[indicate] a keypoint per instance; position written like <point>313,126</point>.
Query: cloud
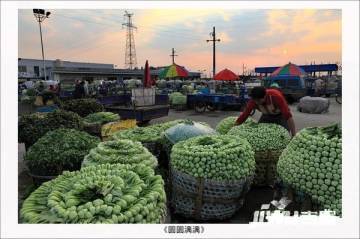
<point>224,37</point>
<point>252,37</point>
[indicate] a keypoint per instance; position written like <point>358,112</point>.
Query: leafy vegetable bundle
<point>226,124</point>
<point>83,107</point>
<point>218,157</point>
<point>120,151</point>
<point>311,163</point>
<point>150,134</point>
<point>99,194</point>
<point>59,150</point>
<point>262,136</point>
<point>141,134</point>
<point>101,118</point>
<point>32,127</point>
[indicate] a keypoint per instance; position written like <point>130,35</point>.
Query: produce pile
<point>262,136</point>
<point>141,134</point>
<point>99,194</point>
<point>226,124</point>
<point>150,134</point>
<point>162,127</point>
<point>311,163</point>
<point>59,150</point>
<point>83,107</point>
<point>101,118</point>
<point>120,151</point>
<point>32,127</point>
<point>177,98</point>
<point>218,157</point>
<point>28,96</point>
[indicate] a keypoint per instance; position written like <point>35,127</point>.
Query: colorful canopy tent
<point>173,71</point>
<point>287,76</point>
<point>288,70</point>
<point>226,75</point>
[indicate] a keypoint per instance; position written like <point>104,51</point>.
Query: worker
<point>273,107</point>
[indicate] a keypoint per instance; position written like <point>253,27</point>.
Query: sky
<point>248,38</point>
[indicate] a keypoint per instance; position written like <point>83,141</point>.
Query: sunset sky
<point>250,37</point>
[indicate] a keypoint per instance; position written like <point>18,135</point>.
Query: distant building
<point>68,71</point>
<point>34,69</point>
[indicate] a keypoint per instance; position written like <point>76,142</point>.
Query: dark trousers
<point>274,119</point>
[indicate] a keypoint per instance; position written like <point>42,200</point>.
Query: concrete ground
<point>256,197</point>
<point>302,120</point>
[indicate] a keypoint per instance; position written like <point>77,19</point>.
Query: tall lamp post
<point>40,16</point>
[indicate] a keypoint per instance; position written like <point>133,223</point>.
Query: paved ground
<point>256,196</point>
<point>302,120</point>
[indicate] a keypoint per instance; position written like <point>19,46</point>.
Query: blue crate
<point>47,109</point>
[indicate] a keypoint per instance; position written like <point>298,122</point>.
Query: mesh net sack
<point>187,130</point>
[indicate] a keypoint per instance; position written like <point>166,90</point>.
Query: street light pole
<point>40,16</point>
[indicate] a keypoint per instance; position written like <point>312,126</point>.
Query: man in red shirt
<point>273,107</point>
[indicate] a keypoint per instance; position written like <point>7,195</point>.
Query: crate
<point>47,109</point>
<point>143,96</point>
<point>205,199</point>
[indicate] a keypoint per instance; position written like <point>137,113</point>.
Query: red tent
<point>147,77</point>
<point>226,75</point>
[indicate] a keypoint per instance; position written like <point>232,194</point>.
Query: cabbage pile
<point>120,151</point>
<point>311,163</point>
<point>101,118</point>
<point>262,136</point>
<point>59,150</point>
<point>217,157</point>
<point>177,98</point>
<point>99,194</point>
<point>226,124</point>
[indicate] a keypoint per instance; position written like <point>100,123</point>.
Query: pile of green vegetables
<point>312,162</point>
<point>150,134</point>
<point>166,125</point>
<point>101,118</point>
<point>217,157</point>
<point>32,127</point>
<point>262,136</point>
<point>82,107</point>
<point>59,150</point>
<point>28,96</point>
<point>141,134</point>
<point>120,151</point>
<point>177,98</point>
<point>226,124</point>
<point>106,193</point>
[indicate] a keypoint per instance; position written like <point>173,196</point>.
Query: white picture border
<point>348,227</point>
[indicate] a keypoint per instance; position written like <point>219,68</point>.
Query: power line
<point>164,32</point>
